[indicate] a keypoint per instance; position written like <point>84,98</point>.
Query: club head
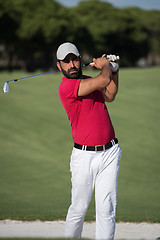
<point>6,87</point>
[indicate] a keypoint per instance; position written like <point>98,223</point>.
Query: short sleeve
<point>76,88</point>
<point>69,88</point>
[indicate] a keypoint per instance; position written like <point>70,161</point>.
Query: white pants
<point>94,169</point>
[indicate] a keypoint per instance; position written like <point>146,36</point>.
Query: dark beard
<point>75,75</point>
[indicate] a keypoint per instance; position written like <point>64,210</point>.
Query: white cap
<point>65,49</point>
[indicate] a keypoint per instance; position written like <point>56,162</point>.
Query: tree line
<point>31,31</point>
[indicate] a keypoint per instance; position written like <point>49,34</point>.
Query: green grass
<point>36,142</point>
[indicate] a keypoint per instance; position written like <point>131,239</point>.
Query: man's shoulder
<point>68,84</point>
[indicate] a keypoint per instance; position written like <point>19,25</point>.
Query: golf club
<point>6,84</point>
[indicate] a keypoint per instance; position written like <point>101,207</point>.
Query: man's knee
<point>79,209</point>
<point>106,207</point>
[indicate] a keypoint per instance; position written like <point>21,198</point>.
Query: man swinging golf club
<point>96,153</point>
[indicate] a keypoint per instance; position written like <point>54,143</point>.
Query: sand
<point>55,229</point>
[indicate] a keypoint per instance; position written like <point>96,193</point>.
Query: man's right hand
<point>89,85</point>
<point>99,63</point>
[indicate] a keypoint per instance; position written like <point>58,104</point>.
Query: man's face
<point>70,66</point>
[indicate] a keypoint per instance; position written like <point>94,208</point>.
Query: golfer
<point>96,153</point>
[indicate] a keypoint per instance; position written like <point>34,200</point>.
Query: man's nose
<point>71,63</point>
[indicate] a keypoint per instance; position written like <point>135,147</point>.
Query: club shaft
<point>40,74</point>
<point>37,75</point>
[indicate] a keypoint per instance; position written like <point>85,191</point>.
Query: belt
<point>97,148</point>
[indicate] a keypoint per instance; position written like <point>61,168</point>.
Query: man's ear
<point>59,66</point>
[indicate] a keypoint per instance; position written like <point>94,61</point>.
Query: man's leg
<point>106,193</point>
<point>82,189</point>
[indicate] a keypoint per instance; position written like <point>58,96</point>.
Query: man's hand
<point>113,62</point>
<point>89,85</point>
<point>114,67</point>
<point>99,63</point>
<point>111,57</point>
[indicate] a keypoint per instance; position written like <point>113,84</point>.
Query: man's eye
<point>73,60</point>
<point>66,61</point>
<point>76,59</point>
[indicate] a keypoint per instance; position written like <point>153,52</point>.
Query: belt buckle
<point>96,148</point>
<point>103,147</point>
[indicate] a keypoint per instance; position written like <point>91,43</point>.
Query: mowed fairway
<point>36,142</point>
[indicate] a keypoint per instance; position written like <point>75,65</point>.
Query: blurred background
<point>31,31</point>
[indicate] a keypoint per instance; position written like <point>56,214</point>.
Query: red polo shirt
<point>88,115</point>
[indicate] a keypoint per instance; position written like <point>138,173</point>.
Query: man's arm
<point>111,90</point>
<point>103,80</point>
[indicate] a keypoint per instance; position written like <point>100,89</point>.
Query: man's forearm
<point>111,89</point>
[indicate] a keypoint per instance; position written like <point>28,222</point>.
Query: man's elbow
<point>111,98</point>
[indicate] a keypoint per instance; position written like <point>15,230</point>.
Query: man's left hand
<point>113,62</point>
